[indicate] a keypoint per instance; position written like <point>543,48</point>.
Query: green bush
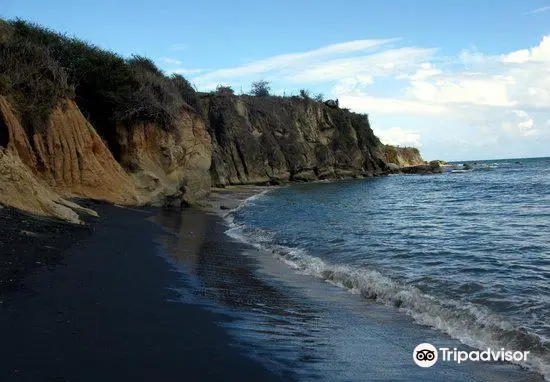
<point>260,88</point>
<point>224,90</point>
<point>144,63</point>
<point>33,80</point>
<point>156,99</point>
<point>42,67</point>
<point>102,80</point>
<point>187,92</point>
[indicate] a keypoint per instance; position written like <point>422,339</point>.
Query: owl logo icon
<point>425,355</point>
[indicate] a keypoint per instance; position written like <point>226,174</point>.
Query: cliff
<point>79,121</point>
<point>236,140</point>
<point>232,140</point>
<point>85,122</point>
<point>269,140</point>
<point>168,167</point>
<point>39,169</point>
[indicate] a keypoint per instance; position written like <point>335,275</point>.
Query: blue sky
<point>458,79</point>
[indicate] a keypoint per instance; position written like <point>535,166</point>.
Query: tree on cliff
<point>260,88</point>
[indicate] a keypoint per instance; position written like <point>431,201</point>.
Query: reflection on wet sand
<point>297,327</point>
<point>274,323</point>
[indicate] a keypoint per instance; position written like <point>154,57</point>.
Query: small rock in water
<point>222,207</point>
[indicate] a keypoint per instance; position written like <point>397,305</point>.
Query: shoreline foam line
<point>473,325</point>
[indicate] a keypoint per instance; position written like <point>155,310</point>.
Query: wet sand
<point>106,309</point>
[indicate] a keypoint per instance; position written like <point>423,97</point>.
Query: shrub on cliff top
<point>102,80</point>
<point>144,63</point>
<point>224,90</point>
<point>187,92</point>
<point>260,88</point>
<point>32,80</point>
<point>156,99</point>
<point>108,88</point>
<point>304,93</point>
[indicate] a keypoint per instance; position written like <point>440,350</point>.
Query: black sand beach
<point>160,294</point>
<point>104,309</point>
<point>29,243</point>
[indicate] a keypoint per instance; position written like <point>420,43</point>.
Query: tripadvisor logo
<point>426,355</point>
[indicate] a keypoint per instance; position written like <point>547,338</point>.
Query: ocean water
<point>464,256</point>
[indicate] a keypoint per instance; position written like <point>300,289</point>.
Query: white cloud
<point>538,10</point>
<point>426,70</point>
<point>397,136</point>
<point>539,53</point>
<point>522,124</point>
<point>350,84</point>
<point>480,90</point>
<point>377,64</point>
<point>517,57</point>
<point>363,103</point>
<point>520,79</point>
<point>472,57</point>
<point>290,61</point>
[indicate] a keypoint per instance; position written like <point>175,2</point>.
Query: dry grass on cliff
<point>40,68</point>
<point>31,78</point>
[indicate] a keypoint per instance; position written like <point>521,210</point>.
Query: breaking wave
<point>473,325</point>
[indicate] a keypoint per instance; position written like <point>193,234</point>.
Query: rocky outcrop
<point>407,160</point>
<point>431,168</point>
<point>402,156</point>
<point>19,188</point>
<point>168,167</point>
<point>262,140</point>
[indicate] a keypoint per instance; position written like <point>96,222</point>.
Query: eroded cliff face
<point>40,170</point>
<point>235,140</point>
<point>257,140</point>
<point>68,159</point>
<point>168,167</point>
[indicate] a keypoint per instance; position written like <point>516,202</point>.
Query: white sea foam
<point>473,325</point>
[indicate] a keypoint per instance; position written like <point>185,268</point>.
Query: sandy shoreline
<point>223,199</point>
<point>30,243</point>
<point>141,294</point>
<point>397,368</point>
<point>106,308</point>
